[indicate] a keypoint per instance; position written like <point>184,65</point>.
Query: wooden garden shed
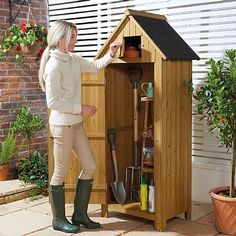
<point>165,60</point>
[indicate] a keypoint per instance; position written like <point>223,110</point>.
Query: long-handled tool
<point>135,76</point>
<point>118,188</point>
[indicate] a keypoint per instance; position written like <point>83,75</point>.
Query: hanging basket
<point>31,49</point>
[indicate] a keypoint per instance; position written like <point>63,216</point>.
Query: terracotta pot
<point>131,52</point>
<point>224,210</point>
<point>4,170</point>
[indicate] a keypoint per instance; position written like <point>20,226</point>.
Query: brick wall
<point>19,84</point>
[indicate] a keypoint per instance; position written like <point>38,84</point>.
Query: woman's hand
<point>88,110</point>
<point>114,48</point>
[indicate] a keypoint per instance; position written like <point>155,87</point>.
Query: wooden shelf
<point>129,60</point>
<point>132,209</point>
<point>146,99</point>
<point>148,170</point>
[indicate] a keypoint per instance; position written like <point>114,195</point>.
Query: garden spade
<point>118,188</point>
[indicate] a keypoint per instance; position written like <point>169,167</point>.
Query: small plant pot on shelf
<point>4,170</point>
<point>224,210</point>
<point>131,52</point>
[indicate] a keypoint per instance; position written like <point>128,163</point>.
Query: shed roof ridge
<point>144,14</point>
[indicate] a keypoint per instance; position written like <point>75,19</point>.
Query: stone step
<point>13,190</point>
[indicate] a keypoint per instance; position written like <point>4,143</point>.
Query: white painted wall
<point>207,176</point>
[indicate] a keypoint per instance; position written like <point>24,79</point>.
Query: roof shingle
<point>166,38</point>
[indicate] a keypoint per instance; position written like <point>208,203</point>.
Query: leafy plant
<point>22,36</point>
<point>8,149</point>
<point>34,170</point>
<point>217,103</point>
<point>27,124</point>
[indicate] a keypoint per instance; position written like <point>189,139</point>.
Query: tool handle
<point>135,115</point>
<point>112,138</point>
<point>136,153</point>
<point>114,160</point>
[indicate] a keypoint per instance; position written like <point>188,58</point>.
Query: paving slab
<point>7,209</point>
<point>148,229</point>
<point>191,228</point>
<point>29,202</point>
<point>23,222</point>
<point>83,232</point>
<point>43,208</point>
<point>207,219</point>
<point>48,232</point>
<point>200,209</point>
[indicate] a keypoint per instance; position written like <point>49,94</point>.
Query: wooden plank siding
<point>175,136</point>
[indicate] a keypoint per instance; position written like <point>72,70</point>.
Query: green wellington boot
<point>57,200</point>
<point>82,195</point>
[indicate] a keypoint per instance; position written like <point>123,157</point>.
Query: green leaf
<point>217,97</point>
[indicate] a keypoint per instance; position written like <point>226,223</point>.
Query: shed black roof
<point>166,38</point>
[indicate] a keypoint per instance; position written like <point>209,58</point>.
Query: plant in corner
<point>8,150</point>
<point>217,104</point>
<point>34,168</point>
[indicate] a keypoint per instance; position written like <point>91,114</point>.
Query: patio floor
<point>27,217</point>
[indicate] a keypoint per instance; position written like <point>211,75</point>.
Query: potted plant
<point>8,150</point>
<point>27,125</point>
<point>32,169</point>
<point>21,37</point>
<point>217,104</point>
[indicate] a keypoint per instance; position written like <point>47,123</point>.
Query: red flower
<point>40,53</point>
<point>23,27</point>
<point>18,47</point>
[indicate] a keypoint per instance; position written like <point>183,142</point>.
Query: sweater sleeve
<point>94,65</point>
<point>53,91</point>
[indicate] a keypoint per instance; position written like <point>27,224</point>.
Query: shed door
<point>93,92</point>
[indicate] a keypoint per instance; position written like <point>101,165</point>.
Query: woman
<point>59,76</point>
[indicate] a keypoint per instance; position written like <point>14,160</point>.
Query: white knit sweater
<point>62,78</point>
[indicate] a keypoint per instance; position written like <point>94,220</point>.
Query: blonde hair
<point>57,31</point>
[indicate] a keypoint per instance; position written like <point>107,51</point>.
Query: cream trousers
<point>66,139</point>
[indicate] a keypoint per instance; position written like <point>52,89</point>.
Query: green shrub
<point>217,103</point>
<point>34,170</point>
<point>8,149</point>
<point>27,124</point>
